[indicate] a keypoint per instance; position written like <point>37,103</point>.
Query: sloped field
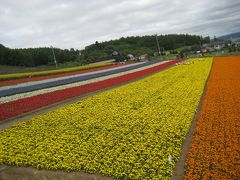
<point>135,131</point>
<point>215,150</point>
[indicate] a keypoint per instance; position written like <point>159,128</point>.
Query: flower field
<point>215,149</point>
<point>43,73</point>
<point>38,78</point>
<point>135,131</point>
<point>52,89</point>
<point>11,106</point>
<point>31,86</point>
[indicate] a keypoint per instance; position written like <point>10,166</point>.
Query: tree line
<point>31,57</point>
<point>136,45</point>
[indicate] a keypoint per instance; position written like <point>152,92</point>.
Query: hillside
<point>229,36</point>
<point>136,45</point>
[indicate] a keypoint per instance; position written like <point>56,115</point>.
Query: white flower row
<point>47,90</point>
<point>64,77</point>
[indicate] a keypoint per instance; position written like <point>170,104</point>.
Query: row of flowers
<point>49,80</point>
<point>30,86</point>
<point>39,78</point>
<point>43,73</point>
<point>131,132</point>
<point>215,149</point>
<point>47,90</point>
<point>24,105</point>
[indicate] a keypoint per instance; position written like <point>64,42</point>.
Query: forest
<point>136,45</point>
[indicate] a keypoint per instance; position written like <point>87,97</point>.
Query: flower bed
<point>49,80</point>
<point>43,73</point>
<point>134,131</point>
<point>20,106</point>
<point>215,149</point>
<point>31,86</point>
<point>39,78</point>
<point>47,90</point>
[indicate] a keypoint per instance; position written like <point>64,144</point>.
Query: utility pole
<point>200,42</point>
<point>54,57</point>
<point>158,46</point>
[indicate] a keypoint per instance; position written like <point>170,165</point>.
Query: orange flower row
<point>215,148</point>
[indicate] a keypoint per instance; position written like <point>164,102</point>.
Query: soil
<point>29,173</point>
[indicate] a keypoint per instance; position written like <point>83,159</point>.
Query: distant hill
<point>229,36</point>
<point>135,45</point>
<point>138,45</point>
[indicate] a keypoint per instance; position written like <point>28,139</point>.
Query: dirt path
<point>178,172</point>
<point>29,173</point>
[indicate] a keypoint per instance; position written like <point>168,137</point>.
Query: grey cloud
<point>77,23</point>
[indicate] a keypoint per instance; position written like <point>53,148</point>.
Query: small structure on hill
<point>130,57</point>
<point>142,57</point>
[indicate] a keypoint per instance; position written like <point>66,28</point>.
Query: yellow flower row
<point>135,131</point>
<point>49,72</point>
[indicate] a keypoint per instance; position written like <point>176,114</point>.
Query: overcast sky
<point>77,23</point>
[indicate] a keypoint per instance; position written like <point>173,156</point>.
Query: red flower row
<point>24,105</point>
<point>22,80</point>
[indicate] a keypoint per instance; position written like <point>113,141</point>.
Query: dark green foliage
<point>137,45</point>
<point>35,56</point>
<point>98,51</point>
<point>233,48</point>
<point>181,54</point>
